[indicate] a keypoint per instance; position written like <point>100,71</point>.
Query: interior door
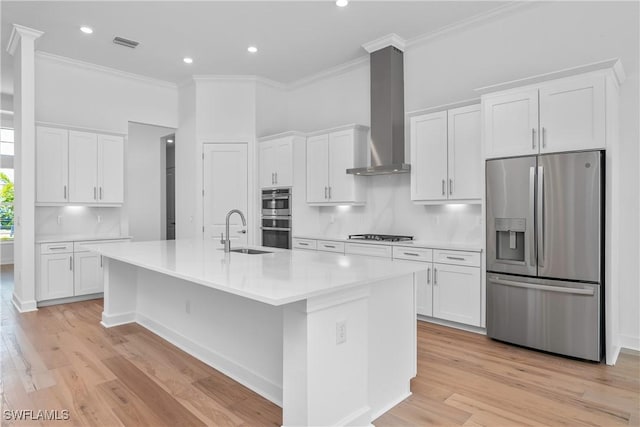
<point>226,187</point>
<point>570,216</point>
<point>83,167</point>
<point>429,157</point>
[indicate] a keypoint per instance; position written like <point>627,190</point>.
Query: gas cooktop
<point>380,237</point>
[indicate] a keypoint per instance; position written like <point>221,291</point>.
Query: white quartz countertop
<point>276,278</point>
<point>458,246</point>
<point>77,238</point>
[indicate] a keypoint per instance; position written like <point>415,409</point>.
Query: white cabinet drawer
<point>413,254</point>
<point>78,246</point>
<point>367,249</point>
<point>471,259</point>
<point>329,246</point>
<point>56,248</point>
<point>298,243</point>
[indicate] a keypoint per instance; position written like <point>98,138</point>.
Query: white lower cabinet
<point>87,275</point>
<point>56,276</point>
<point>456,293</point>
<point>424,291</point>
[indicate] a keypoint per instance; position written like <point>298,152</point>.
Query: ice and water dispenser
<point>510,242</point>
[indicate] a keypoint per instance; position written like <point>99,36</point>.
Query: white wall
<point>271,109</point>
<point>74,94</point>
<point>186,162</point>
<point>144,192</point>
<point>534,39</point>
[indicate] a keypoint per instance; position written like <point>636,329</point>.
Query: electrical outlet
<point>99,219</point>
<point>341,332</point>
<point>187,307</point>
<point>59,220</point>
<point>332,219</point>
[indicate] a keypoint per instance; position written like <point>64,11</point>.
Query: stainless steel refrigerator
<point>545,247</point>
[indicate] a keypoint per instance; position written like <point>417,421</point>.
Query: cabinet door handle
<point>450,186</point>
<point>100,261</point>
<point>95,193</point>
<point>435,276</point>
<point>544,137</point>
<point>272,178</point>
<point>100,192</point>
<point>325,192</point>
<point>533,138</point>
<point>71,263</point>
<point>276,177</point>
<point>443,193</point>
<point>65,192</point>
<point>329,192</point>
<point>429,276</point>
<point>455,258</point>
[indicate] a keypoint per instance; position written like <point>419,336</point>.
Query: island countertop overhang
<point>277,278</point>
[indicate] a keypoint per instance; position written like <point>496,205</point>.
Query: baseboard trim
<point>614,357</point>
<point>388,406</point>
<point>357,418</point>
<point>111,320</point>
<point>24,306</point>
<point>629,342</point>
<point>468,328</point>
<point>233,370</point>
<point>70,299</point>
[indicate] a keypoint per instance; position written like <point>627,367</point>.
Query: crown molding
<point>223,77</point>
<point>470,22</point>
<point>330,72</point>
<point>389,40</point>
<point>107,70</point>
<point>18,32</point>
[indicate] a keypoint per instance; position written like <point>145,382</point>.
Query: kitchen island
<point>329,338</point>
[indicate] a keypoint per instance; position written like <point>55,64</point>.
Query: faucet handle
<point>242,231</point>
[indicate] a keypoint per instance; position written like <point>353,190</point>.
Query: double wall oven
<point>276,218</point>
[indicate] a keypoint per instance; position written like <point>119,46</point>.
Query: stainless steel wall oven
<point>276,218</point>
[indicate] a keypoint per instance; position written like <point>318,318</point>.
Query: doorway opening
<point>170,188</point>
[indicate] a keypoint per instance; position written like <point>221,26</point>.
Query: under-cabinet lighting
<point>187,60</point>
<point>343,208</point>
<point>252,49</point>
<point>342,3</point>
<point>86,30</point>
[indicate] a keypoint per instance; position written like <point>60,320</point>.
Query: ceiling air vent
<point>125,42</point>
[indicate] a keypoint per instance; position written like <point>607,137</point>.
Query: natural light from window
<point>6,184</point>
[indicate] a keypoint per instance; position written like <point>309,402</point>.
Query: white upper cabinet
<point>429,156</point>
<point>551,116</point>
<point>572,114</point>
<point>52,148</point>
<point>275,156</point>
<point>511,124</point>
<point>110,169</point>
<point>83,167</point>
<point>446,156</point>
<point>464,153</point>
<point>329,155</point>
<point>78,167</point>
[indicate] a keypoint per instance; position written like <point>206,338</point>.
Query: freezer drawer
<point>550,315</point>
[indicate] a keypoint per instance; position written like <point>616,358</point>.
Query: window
<point>6,184</point>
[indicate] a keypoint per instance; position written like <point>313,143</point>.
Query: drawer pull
<point>303,244</point>
<point>455,258</point>
<point>55,248</point>
<point>410,253</point>
<point>329,246</point>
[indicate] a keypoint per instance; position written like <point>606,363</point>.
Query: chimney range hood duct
<point>387,114</point>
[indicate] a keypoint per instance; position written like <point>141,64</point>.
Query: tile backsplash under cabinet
<point>78,220</point>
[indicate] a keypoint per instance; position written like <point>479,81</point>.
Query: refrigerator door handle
<point>559,289</point>
<point>540,217</point>
<point>532,207</point>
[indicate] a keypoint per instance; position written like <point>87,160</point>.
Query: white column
<point>22,47</point>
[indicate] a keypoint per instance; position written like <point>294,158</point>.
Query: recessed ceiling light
<point>342,3</point>
<point>86,30</point>
<point>169,141</point>
<point>252,49</point>
<point>187,60</point>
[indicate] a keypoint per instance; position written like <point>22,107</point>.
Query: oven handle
<point>276,197</point>
<point>275,228</point>
<point>286,217</point>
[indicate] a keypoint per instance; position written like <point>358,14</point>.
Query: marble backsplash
<point>78,220</point>
<point>389,210</point>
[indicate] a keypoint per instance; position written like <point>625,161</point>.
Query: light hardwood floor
<point>61,358</point>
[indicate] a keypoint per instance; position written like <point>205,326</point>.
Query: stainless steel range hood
<point>387,114</point>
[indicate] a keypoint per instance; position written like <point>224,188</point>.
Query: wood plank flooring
<point>60,358</point>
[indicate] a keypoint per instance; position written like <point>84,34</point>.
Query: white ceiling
<point>295,38</point>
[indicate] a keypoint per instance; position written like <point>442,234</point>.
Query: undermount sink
<point>250,251</point>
